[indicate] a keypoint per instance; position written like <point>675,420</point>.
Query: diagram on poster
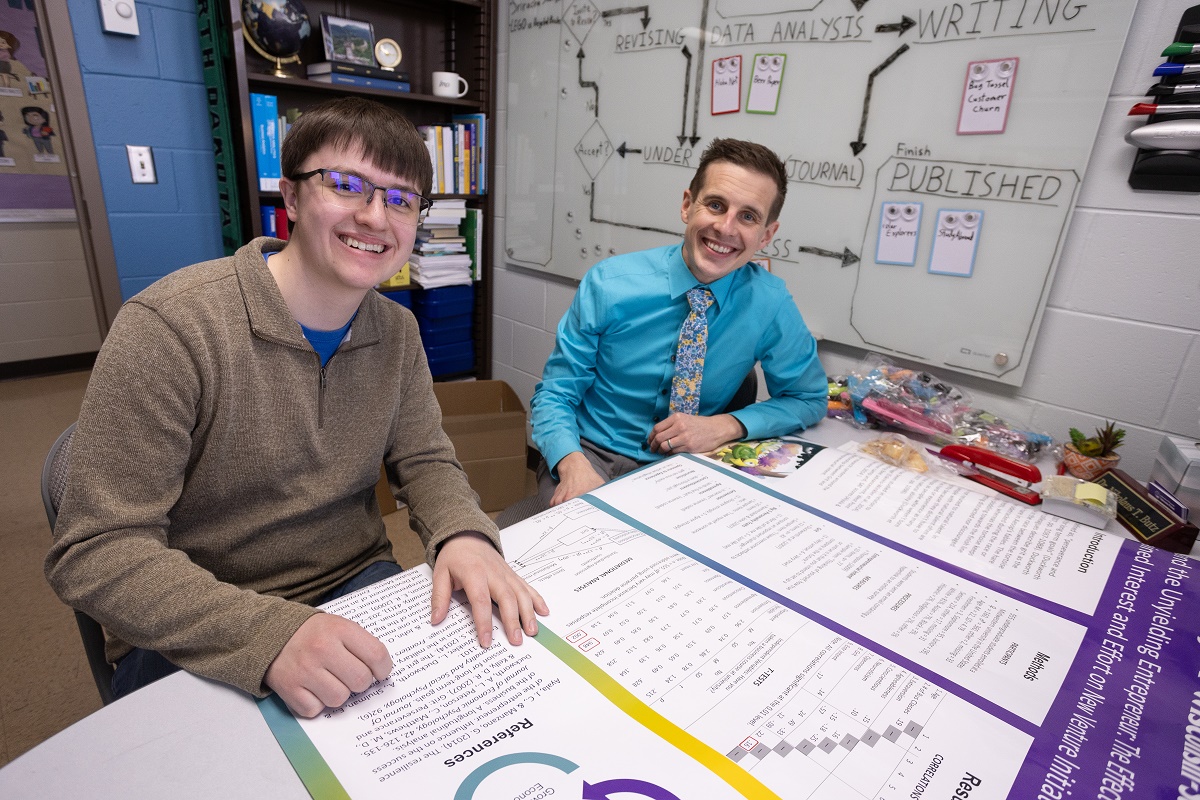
<point>868,106</point>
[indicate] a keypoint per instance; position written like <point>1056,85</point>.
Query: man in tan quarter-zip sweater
<point>222,473</point>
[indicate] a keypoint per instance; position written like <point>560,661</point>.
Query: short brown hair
<point>386,137</point>
<point>750,155</point>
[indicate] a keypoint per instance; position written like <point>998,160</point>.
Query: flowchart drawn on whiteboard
<point>981,110</point>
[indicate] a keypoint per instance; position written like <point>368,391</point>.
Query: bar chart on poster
<point>934,151</point>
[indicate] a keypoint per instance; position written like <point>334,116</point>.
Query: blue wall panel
<point>131,286</point>
<point>112,54</point>
<point>121,195</point>
<point>149,90</point>
<point>194,179</point>
<point>191,237</point>
<point>178,42</point>
<point>148,111</point>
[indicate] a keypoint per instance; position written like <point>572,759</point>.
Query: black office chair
<point>54,483</point>
<point>746,393</point>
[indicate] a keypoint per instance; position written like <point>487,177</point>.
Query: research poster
<point>836,629</point>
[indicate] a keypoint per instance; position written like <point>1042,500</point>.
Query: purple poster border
<point>1125,724</point>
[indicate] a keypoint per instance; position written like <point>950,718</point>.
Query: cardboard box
<point>499,482</point>
<point>485,421</point>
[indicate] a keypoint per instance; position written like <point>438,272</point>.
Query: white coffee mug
<point>449,84</point>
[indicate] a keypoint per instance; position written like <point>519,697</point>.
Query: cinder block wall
<point>46,304</point>
<point>1121,335</point>
<point>149,90</point>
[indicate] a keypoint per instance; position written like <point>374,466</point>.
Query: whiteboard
<point>934,152</point>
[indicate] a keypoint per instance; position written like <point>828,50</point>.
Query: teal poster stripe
<point>312,769</point>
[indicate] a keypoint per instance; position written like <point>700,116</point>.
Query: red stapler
<point>1005,475</point>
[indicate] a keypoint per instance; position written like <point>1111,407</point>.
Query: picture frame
<point>350,41</point>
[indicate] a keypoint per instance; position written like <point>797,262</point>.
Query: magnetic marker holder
<point>1172,170</point>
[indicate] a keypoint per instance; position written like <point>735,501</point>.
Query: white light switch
<point>119,16</point>
<point>141,163</point>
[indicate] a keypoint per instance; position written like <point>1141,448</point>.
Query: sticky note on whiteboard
<point>727,85</point>
<point>899,225</point>
<point>987,93</point>
<point>955,242</point>
<point>765,82</point>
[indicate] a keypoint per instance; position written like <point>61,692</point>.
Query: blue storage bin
<point>447,358</point>
<point>446,301</point>
<point>446,330</point>
<point>401,296</point>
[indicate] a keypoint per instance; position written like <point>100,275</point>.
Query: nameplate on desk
<point>1142,516</point>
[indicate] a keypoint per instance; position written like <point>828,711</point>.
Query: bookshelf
<point>450,35</point>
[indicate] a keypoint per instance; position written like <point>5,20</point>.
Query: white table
<point>187,737</point>
<point>834,433</point>
<point>182,737</point>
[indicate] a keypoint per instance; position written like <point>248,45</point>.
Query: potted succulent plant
<point>1088,456</point>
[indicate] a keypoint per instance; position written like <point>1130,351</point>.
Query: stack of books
<point>274,221</point>
<point>440,256</point>
<point>270,126</point>
<point>264,116</point>
<point>458,152</point>
<point>346,74</point>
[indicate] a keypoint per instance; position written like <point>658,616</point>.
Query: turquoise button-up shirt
<point>608,379</point>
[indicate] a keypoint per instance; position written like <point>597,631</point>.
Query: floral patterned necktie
<point>689,358</point>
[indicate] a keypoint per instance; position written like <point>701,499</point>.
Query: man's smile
<point>357,245</point>
<point>718,248</point>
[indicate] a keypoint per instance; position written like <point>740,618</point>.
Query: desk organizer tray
<point>446,301</point>
<point>403,297</point>
<point>445,359</point>
<point>445,330</point>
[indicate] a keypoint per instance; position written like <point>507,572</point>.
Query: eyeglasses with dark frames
<point>351,191</point>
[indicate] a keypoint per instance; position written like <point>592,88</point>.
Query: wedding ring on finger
<point>668,444</point>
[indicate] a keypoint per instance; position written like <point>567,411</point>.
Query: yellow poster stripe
<point>718,763</point>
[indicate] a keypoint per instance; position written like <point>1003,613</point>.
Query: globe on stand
<point>276,29</point>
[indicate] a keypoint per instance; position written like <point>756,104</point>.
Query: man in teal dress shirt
<point>602,407</point>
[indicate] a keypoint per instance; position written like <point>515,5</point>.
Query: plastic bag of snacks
<point>839,404</point>
<point>917,402</point>
<point>894,449</point>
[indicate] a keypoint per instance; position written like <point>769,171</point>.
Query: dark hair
<point>385,136</point>
<point>750,155</point>
<point>45,114</point>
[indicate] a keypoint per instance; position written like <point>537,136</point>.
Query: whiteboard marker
<point>1181,49</point>
<point>1176,134</point>
<point>1140,109</point>
<point>1160,89</point>
<point>1177,69</point>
